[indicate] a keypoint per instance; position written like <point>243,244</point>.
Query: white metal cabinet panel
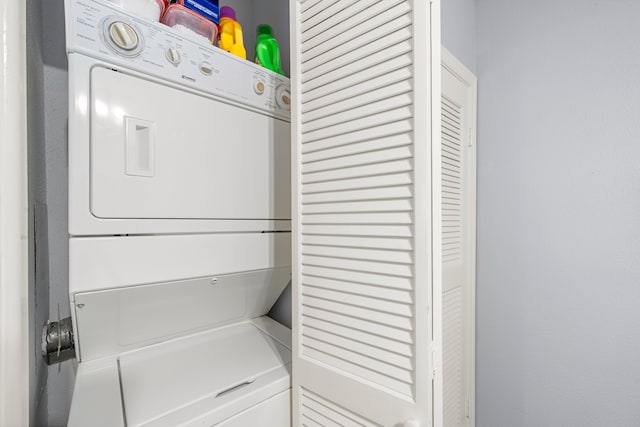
<point>98,263</point>
<point>366,187</point>
<point>164,379</point>
<point>82,222</point>
<point>96,396</point>
<point>167,154</point>
<point>156,312</point>
<point>273,412</point>
<point>458,242</point>
<point>157,378</point>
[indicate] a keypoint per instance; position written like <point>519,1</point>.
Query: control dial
<point>259,87</point>
<point>173,55</point>
<point>206,68</point>
<point>122,37</point>
<point>283,98</point>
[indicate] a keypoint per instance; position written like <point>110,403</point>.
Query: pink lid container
<point>190,24</point>
<point>147,9</point>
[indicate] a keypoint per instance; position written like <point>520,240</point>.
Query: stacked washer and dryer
<point>179,220</point>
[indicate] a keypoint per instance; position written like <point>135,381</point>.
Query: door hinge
<point>436,358</point>
<point>468,409</point>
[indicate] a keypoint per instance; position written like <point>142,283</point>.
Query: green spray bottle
<point>267,49</point>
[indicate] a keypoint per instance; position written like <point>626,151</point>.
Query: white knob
<point>258,87</point>
<point>123,35</point>
<point>173,55</point>
<point>283,98</point>
<point>206,68</point>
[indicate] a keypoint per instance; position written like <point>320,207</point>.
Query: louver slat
<point>359,277</point>
<point>341,86</point>
<point>310,8</point>
<point>383,374</point>
<point>356,183</point>
<point>379,292</point>
<point>316,26</point>
<point>452,352</point>
<point>387,59</point>
<point>452,187</point>
<point>358,325</point>
<point>362,337</point>
<point>368,33</point>
<point>365,136</point>
<point>330,413</point>
<point>347,30</point>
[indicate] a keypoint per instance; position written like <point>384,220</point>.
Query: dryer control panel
<point>104,31</point>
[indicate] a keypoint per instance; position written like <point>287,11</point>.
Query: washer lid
<point>209,370</point>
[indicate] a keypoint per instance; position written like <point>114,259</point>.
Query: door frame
<point>14,293</point>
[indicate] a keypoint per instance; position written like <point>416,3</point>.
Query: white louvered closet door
<point>366,233</point>
<point>458,240</point>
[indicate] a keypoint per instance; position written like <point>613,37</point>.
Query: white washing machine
<point>179,220</point>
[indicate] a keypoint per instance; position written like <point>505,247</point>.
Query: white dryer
<point>179,220</point>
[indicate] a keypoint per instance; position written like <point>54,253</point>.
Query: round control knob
<point>258,87</point>
<point>123,35</point>
<point>283,98</point>
<point>206,68</point>
<point>173,56</point>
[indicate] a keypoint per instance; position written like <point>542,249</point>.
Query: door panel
<point>458,240</point>
<point>154,157</point>
<point>364,215</point>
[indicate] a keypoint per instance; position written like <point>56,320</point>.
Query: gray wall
<point>38,241</point>
<point>558,279</point>
<point>55,96</point>
<point>251,13</point>
<point>459,30</point>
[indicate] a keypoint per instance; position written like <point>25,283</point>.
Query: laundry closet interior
<point>238,247</point>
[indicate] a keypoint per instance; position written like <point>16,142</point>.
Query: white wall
<point>558,285</point>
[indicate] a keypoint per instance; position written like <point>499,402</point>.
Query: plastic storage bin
<point>207,8</point>
<point>190,24</point>
<point>147,9</point>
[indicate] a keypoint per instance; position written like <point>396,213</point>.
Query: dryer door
<point>158,152</point>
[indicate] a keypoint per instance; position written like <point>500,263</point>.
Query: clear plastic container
<point>190,24</point>
<point>147,9</point>
<point>207,8</point>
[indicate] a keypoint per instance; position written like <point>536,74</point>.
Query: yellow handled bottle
<point>231,33</point>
